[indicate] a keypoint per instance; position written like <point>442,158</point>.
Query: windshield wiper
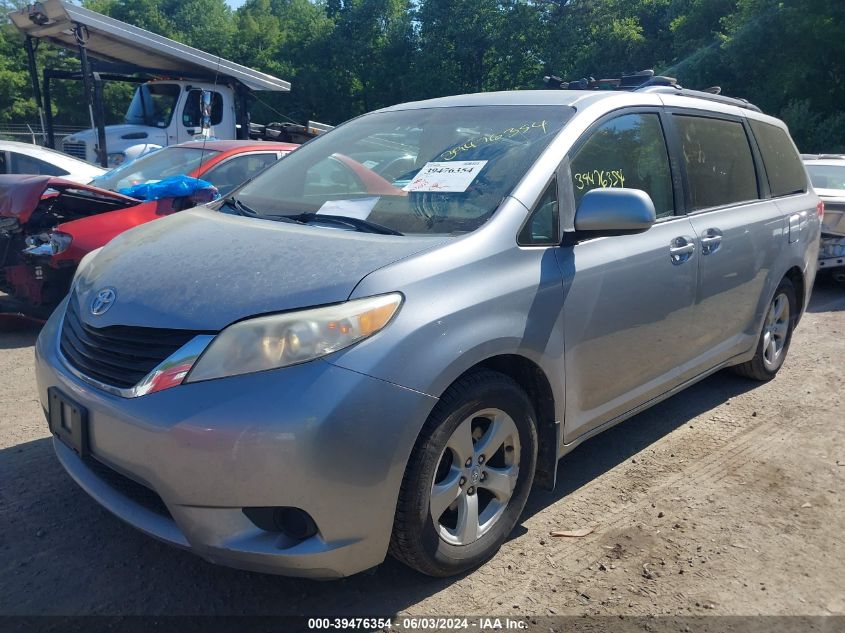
<point>358,224</point>
<point>241,208</point>
<point>245,210</point>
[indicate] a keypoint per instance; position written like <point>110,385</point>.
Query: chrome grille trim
<point>187,354</point>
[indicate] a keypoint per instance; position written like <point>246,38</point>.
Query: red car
<point>48,224</point>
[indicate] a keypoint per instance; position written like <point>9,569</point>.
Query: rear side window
<point>783,166</point>
<point>23,164</point>
<point>233,172</point>
<point>720,168</point>
<point>628,151</point>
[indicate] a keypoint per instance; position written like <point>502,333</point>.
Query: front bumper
<point>317,437</point>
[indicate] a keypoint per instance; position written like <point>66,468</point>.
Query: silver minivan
<point>381,343</point>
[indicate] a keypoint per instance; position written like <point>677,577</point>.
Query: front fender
<point>453,318</point>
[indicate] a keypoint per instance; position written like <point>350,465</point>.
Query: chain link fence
<point>26,133</point>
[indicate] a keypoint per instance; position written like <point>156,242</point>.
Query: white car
<point>827,172</point>
<point>25,158</point>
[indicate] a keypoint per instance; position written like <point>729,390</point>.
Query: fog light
<point>292,522</point>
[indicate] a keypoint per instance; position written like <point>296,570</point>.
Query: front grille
<point>117,355</point>
<point>75,148</point>
<point>139,493</point>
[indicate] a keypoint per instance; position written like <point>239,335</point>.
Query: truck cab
<point>161,113</point>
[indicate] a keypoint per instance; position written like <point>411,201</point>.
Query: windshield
<point>170,161</point>
<point>827,176</point>
<point>153,104</point>
<point>427,171</point>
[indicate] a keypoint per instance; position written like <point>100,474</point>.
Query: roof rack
<point>703,94</point>
<point>823,156</point>
<point>647,81</point>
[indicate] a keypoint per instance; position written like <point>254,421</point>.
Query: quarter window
<point>628,151</point>
<point>783,166</point>
<point>720,167</point>
<point>541,229</point>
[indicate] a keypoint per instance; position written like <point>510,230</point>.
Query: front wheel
<point>468,477</point>
<point>775,337</point>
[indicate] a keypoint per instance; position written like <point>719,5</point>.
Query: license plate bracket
<point>68,421</point>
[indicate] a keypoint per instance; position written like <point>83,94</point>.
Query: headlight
<point>59,242</point>
<point>46,244</point>
<point>286,339</point>
<point>116,159</point>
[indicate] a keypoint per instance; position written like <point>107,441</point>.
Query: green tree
<point>344,57</point>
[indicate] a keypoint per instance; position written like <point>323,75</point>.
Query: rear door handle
<point>711,240</point>
<point>681,249</point>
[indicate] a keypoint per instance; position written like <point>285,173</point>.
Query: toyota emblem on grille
<point>103,300</point>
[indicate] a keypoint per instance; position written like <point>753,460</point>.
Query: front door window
<point>628,151</point>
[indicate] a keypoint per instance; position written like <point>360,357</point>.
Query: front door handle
<point>794,222</point>
<point>681,249</point>
<point>711,240</point>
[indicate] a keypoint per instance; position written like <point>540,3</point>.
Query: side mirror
<point>203,196</point>
<point>205,109</point>
<point>612,211</point>
<point>195,199</point>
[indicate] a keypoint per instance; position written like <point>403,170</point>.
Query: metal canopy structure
<point>111,40</point>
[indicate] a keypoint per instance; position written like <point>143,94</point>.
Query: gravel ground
<point>725,499</point>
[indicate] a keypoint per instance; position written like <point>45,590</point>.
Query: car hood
<point>83,179</point>
<point>118,133</point>
<point>20,194</point>
<point>832,194</point>
<point>202,270</point>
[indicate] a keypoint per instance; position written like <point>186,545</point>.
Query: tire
<point>773,346</point>
<point>481,407</point>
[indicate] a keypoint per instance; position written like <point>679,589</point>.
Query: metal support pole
<point>33,77</point>
<point>243,106</point>
<point>48,112</point>
<point>81,33</point>
<point>100,114</point>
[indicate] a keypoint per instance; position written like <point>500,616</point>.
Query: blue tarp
<point>172,187</point>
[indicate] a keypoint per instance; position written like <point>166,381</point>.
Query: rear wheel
<point>468,477</point>
<point>775,337</point>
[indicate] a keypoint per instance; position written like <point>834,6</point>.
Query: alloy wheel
<point>775,331</point>
<point>475,477</point>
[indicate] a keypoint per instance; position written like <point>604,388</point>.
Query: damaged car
<point>827,173</point>
<point>47,225</point>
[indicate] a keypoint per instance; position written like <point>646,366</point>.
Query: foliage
<point>345,57</point>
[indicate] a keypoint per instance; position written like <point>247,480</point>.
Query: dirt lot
<point>726,499</point>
